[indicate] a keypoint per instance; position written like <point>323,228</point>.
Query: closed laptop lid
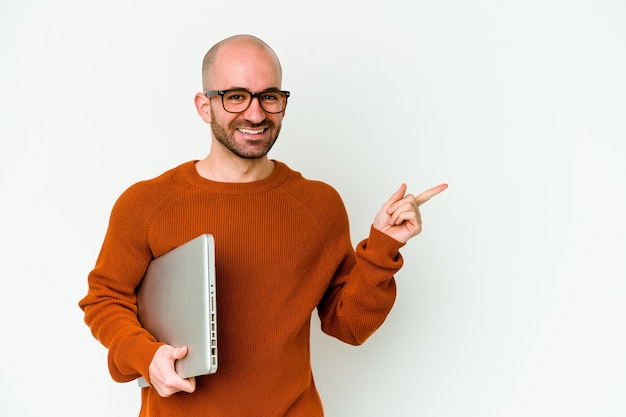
<point>176,304</point>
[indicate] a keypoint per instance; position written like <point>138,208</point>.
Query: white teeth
<point>251,132</point>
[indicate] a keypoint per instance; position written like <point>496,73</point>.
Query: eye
<point>236,96</point>
<point>270,97</point>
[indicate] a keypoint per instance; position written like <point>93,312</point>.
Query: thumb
<point>179,353</point>
<point>398,195</point>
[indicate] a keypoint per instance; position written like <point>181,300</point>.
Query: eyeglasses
<point>238,101</point>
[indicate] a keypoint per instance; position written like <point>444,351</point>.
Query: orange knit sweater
<point>283,249</point>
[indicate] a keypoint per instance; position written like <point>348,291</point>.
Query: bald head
<point>244,45</point>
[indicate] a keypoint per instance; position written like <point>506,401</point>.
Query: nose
<point>255,113</point>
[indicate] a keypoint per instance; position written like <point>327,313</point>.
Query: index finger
<point>430,193</point>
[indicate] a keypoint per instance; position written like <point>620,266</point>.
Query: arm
<point>363,290</point>
<point>110,304</point>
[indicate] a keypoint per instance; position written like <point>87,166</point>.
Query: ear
<point>203,107</point>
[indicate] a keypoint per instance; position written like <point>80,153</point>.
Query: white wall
<point>511,302</point>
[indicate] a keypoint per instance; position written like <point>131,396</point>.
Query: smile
<point>251,131</point>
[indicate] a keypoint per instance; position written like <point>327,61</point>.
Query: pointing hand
<point>400,217</point>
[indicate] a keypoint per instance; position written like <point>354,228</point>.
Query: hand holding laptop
<point>163,376</point>
<point>176,304</point>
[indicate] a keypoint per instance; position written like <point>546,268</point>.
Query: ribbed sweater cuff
<point>381,241</point>
<point>136,356</point>
<point>381,249</point>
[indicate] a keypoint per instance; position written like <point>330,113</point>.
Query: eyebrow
<point>262,91</point>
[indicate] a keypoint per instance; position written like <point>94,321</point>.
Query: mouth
<point>251,131</point>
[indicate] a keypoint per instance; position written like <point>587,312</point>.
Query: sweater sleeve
<point>363,290</point>
<point>110,304</point>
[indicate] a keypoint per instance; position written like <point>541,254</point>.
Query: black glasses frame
<point>215,93</point>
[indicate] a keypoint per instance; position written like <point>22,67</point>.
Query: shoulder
<point>151,194</point>
<point>319,198</point>
<point>313,191</point>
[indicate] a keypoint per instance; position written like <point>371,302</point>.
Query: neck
<point>234,169</point>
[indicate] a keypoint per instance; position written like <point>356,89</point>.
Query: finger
<point>398,195</point>
<point>405,214</point>
<point>395,199</point>
<point>180,384</point>
<point>430,193</point>
<point>179,353</point>
<point>188,385</point>
<point>406,204</point>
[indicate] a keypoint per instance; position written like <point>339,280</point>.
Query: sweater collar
<point>278,176</point>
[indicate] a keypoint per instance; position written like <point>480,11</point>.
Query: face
<point>252,133</point>
<point>243,138</point>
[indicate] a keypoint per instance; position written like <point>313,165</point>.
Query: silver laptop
<point>176,304</point>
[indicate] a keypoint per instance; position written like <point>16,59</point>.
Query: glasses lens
<point>236,100</point>
<point>273,101</point>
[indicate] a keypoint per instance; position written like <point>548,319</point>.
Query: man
<point>282,250</point>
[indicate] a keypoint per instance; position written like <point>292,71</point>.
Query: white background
<point>512,300</point>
